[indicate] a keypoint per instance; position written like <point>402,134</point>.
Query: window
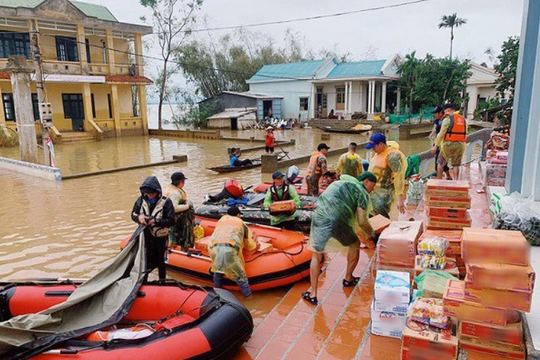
<point>93,105</point>
<point>104,51</point>
<point>66,49</point>
<point>14,44</point>
<point>88,57</point>
<point>304,103</point>
<point>110,106</point>
<point>340,97</point>
<point>9,106</point>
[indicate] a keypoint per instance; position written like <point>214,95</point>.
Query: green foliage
<point>507,66</point>
<point>486,106</point>
<point>196,116</point>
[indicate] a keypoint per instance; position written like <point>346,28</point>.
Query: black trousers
<point>156,250</point>
<point>242,162</point>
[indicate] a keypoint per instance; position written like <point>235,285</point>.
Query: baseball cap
<point>277,175</point>
<point>177,177</point>
<point>233,211</point>
<point>367,175</point>
<point>323,146</point>
<point>449,106</point>
<point>437,110</point>
<point>375,139</point>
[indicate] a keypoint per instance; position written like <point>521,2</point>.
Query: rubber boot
<point>244,288</point>
<point>218,280</point>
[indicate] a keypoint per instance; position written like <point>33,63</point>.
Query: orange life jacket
<point>379,167</point>
<point>229,230</point>
<point>457,131</point>
<point>313,169</point>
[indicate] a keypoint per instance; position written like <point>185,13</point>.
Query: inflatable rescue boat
<point>168,320</point>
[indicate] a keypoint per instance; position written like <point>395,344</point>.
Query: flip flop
<point>351,283</point>
<point>306,295</point>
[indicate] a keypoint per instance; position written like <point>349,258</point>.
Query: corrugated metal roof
<point>253,95</point>
<point>91,10</point>
<point>232,113</point>
<point>354,69</point>
<point>304,69</point>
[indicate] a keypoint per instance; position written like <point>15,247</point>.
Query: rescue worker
<point>281,191</point>
<point>350,163</point>
<point>318,166</point>
<point>269,141</point>
<point>390,166</point>
<point>234,158</point>
<point>438,115</point>
<point>230,237</point>
<point>451,141</point>
<point>341,222</point>
<point>181,233</point>
<point>156,212</point>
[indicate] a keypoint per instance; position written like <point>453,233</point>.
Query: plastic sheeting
<point>431,283</point>
<point>341,217</point>
<point>519,213</point>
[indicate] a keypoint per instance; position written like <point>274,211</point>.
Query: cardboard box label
<point>447,202</point>
<point>500,276</point>
<point>492,348</point>
<point>450,213</point>
<point>419,337</point>
<point>502,299</point>
<point>496,246</point>
<point>510,334</point>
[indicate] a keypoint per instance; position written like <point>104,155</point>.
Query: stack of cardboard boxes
<point>447,203</point>
<point>454,262</point>
<point>498,284</point>
<point>495,168</point>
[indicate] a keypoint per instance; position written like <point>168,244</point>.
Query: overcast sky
<point>384,32</point>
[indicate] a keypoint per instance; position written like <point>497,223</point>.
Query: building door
<point>267,108</point>
<point>74,110</point>
<point>234,123</point>
<point>322,103</point>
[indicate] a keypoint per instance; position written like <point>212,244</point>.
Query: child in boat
<point>234,158</point>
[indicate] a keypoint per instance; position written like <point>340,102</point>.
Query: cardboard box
<point>500,276</point>
<point>449,188</point>
<point>449,213</point>
<point>448,202</point>
<point>502,299</point>
<point>498,246</point>
<point>510,334</point>
<point>397,243</point>
<point>398,308</point>
<point>456,306</point>
<point>377,330</point>
<point>453,237</point>
<point>387,322</point>
<point>379,223</point>
<point>283,207</point>
<point>383,267</point>
<point>492,348</point>
<point>422,338</point>
<point>392,287</point>
<point>407,354</point>
<point>446,223</point>
<point>451,266</point>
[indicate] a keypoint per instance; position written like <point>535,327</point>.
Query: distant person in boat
<point>339,223</point>
<point>234,158</point>
<point>318,165</point>
<point>181,233</point>
<point>231,189</point>
<point>452,141</point>
<point>156,212</point>
<point>350,163</point>
<point>228,241</point>
<point>438,115</point>
<point>280,191</point>
<point>390,166</point>
<point>270,140</point>
<point>332,115</point>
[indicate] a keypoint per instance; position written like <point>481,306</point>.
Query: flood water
<point>72,228</point>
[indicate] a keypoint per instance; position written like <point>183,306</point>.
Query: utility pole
<point>38,69</point>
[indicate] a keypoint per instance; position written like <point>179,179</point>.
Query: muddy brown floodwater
<point>72,228</point>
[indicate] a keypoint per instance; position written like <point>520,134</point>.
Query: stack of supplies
<point>499,283</point>
<point>391,297</point>
<point>448,201</point>
<point>432,255</point>
<point>425,342</point>
<point>396,248</point>
<point>453,251</point>
<point>495,168</point>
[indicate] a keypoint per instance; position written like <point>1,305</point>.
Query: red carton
<point>500,276</point>
<point>448,213</point>
<point>446,223</point>
<point>448,202</point>
<point>510,334</point>
<point>502,299</point>
<point>449,188</point>
<point>492,348</point>
<point>497,246</point>
<point>407,354</point>
<point>423,338</point>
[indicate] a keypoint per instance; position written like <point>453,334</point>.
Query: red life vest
<point>284,196</point>
<point>457,131</point>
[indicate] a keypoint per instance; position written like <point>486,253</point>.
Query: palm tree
<point>451,21</point>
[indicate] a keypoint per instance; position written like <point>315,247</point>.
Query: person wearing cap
<point>438,115</point>
<point>339,223</point>
<point>227,243</point>
<point>270,140</point>
<point>156,212</point>
<point>350,163</point>
<point>281,191</point>
<point>318,166</point>
<point>451,141</point>
<point>389,166</point>
<point>181,233</point>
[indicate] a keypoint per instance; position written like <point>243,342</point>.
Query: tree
<point>172,21</point>
<point>507,66</point>
<point>408,71</point>
<point>451,21</point>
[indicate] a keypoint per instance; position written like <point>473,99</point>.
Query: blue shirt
<point>233,160</point>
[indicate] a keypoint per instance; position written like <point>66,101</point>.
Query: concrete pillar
<point>116,110</point>
<point>311,109</point>
<point>269,163</point>
<point>138,54</point>
<point>473,101</point>
<point>87,103</point>
<point>350,96</point>
<point>372,97</point>
<point>110,52</point>
<point>346,110</point>
<point>22,98</point>
<point>369,98</point>
<point>143,110</point>
<point>81,42</point>
<point>398,101</point>
<point>383,101</point>
<point>2,115</point>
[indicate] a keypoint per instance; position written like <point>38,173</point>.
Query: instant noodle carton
<point>379,223</point>
<point>456,306</point>
<point>397,243</point>
<point>447,188</point>
<point>511,334</point>
<point>447,223</point>
<point>500,276</point>
<point>502,299</point>
<point>420,338</point>
<point>502,351</point>
<point>448,202</point>
<point>407,354</point>
<point>448,213</point>
<point>496,246</point>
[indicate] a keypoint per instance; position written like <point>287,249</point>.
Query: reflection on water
<point>72,228</point>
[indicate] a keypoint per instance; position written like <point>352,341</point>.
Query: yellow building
<point>92,66</point>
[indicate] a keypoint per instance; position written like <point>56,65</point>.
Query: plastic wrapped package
<point>431,283</point>
<point>518,213</point>
<point>429,311</point>
<point>433,246</point>
<point>415,193</point>
<point>432,262</point>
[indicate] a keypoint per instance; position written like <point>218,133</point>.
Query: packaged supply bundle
<point>448,213</point>
<point>448,188</point>
<point>379,223</point>
<point>424,339</point>
<point>502,351</point>
<point>495,246</point>
<point>511,334</point>
<point>432,262</point>
<point>500,276</point>
<point>432,246</point>
<point>397,244</point>
<point>502,299</point>
<point>431,283</point>
<point>453,237</point>
<point>448,202</point>
<point>429,311</point>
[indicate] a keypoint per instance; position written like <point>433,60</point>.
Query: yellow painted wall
<point>120,56</point>
<point>48,44</point>
<point>100,99</point>
<point>96,52</point>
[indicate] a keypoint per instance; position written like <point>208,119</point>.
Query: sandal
<point>306,295</point>
<point>351,283</point>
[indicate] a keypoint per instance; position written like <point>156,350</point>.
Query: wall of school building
<point>291,91</point>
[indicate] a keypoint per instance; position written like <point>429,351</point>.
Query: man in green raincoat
<point>341,221</point>
<point>280,191</point>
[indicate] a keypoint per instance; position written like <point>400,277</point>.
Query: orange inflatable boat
<point>168,320</point>
<point>282,259</point>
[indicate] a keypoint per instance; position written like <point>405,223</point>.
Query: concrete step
<point>69,137</point>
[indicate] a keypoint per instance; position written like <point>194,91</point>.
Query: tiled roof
<point>90,10</point>
<point>304,69</point>
<point>355,69</point>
